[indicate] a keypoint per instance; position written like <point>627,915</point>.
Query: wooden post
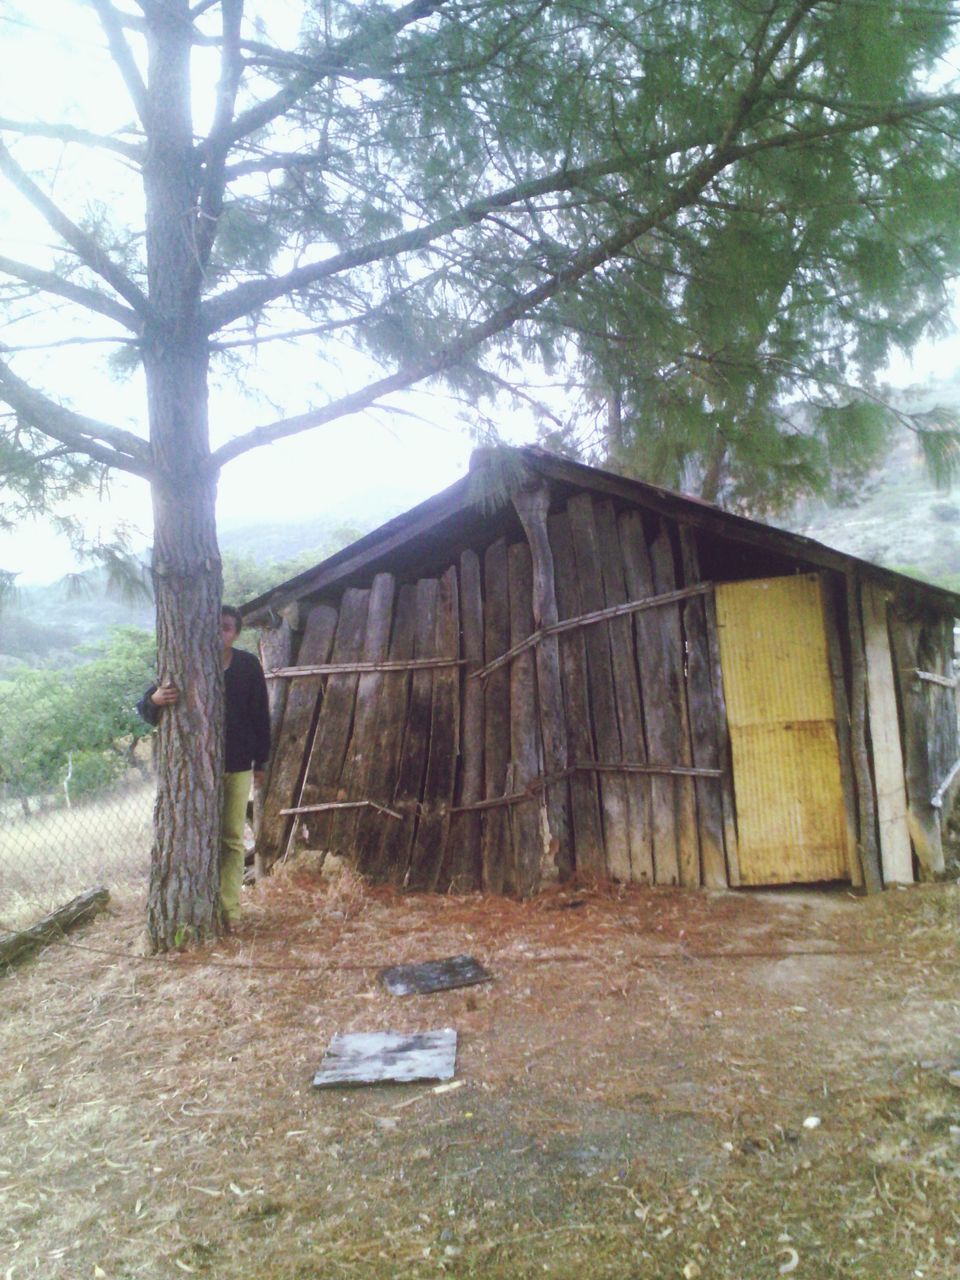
<point>291,749</point>
<point>496,848</point>
<point>918,702</point>
<point>895,851</point>
<point>842,709</point>
<point>465,828</point>
<point>524,733</point>
<point>866,800</point>
<point>657,707</point>
<point>276,650</point>
<point>433,828</point>
<point>587,857</point>
<point>391,718</point>
<point>724,755</point>
<point>704,729</point>
<point>532,506</point>
<point>613,794</point>
<point>626,683</point>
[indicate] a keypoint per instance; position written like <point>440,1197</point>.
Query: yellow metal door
<point>783,732</point>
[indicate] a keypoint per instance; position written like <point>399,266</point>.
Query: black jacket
<point>247,729</point>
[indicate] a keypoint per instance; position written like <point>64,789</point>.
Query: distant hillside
<point>902,519</point>
<point>57,625</point>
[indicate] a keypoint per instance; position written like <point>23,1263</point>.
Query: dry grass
<point>56,853</point>
<point>633,1090</point>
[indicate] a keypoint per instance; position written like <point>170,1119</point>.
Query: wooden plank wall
<point>566,733</point>
<point>928,723</point>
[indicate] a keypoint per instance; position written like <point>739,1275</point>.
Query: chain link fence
<point>54,845</point>
<point>77,778</point>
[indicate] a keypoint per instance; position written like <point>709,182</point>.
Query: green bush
<point>94,771</point>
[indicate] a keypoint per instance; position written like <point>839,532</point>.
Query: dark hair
<point>228,611</point>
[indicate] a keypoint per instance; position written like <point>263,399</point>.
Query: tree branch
<point>214,151</point>
<point>112,25</point>
<point>84,244</point>
<point>110,445</point>
<point>92,299</point>
<point>452,353</point>
<point>268,163</point>
<point>67,133</point>
<point>336,60</point>
<point>253,294</point>
<point>117,339</point>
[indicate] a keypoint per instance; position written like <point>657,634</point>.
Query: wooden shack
<point>600,679</point>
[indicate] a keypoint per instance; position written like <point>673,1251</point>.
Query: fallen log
<point>19,944</point>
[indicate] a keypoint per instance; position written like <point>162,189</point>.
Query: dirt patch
<point>635,1087</point>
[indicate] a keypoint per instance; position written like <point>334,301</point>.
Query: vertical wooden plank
<point>627,690</point>
<point>661,731</point>
<point>276,650</point>
<point>936,654</point>
<point>613,794</point>
<point>842,707</point>
<point>430,842</point>
<point>398,836</point>
<point>391,718</point>
<point>465,828</point>
<point>664,579</point>
<point>919,734</point>
<point>291,749</point>
<point>895,854</point>
<point>702,710</point>
<point>497,853</point>
<point>532,506</point>
<point>336,716</point>
<point>866,796</point>
<point>587,857</point>
<point>724,756</point>
<point>363,743</point>
<point>524,730</point>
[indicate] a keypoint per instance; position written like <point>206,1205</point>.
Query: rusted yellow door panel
<point>786,764</point>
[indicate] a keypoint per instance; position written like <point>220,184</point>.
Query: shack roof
<point>425,539</point>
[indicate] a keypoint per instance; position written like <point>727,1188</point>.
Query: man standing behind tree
<point>246,748</point>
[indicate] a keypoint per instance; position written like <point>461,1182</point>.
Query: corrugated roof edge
<point>403,529</point>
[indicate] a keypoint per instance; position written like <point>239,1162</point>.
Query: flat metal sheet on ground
<point>434,975</point>
<point>372,1057</point>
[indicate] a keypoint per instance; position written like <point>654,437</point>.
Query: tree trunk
<point>184,900</point>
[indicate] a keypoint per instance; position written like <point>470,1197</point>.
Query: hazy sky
<point>397,457</point>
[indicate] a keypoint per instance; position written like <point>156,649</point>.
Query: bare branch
<point>67,133</point>
<point>335,62</point>
<point>92,299</point>
<point>217,144</point>
<point>110,445</point>
<point>84,244</point>
<point>270,163</point>
<point>113,22</point>
<point>117,339</point>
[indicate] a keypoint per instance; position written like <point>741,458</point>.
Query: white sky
<point>400,459</point>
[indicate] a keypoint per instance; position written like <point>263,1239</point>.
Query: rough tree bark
<point>184,899</point>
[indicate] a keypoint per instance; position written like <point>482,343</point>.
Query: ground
<point>657,1083</point>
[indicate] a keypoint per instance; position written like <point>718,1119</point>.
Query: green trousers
<point>236,793</point>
